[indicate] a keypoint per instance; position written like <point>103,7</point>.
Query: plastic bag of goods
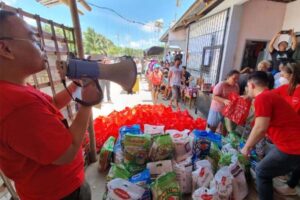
<point>118,150</point>
<point>203,175</point>
<point>214,156</point>
<point>117,171</point>
<point>239,183</point>
<point>183,172</point>
<point>106,154</point>
<point>166,187</point>
<point>162,148</point>
<point>201,144</point>
<point>136,150</point>
<point>223,183</point>
<point>153,130</point>
<point>120,189</point>
<point>205,194</point>
<point>134,129</point>
<point>159,167</point>
<point>182,144</point>
<point>143,180</point>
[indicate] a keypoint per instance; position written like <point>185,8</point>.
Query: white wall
<point>232,32</point>
<point>261,19</point>
<point>292,16</point>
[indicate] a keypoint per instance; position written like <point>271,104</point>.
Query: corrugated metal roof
<point>50,3</point>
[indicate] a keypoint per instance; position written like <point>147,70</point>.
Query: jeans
<point>275,163</point>
<point>105,85</point>
<point>82,193</point>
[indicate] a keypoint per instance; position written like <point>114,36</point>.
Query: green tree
<point>95,43</point>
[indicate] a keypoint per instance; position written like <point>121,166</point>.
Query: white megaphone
<point>123,73</point>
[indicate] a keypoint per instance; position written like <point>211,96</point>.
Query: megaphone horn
<point>123,73</point>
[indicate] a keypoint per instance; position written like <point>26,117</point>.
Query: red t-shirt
<point>32,137</point>
<point>156,78</point>
<point>293,100</point>
<point>284,128</point>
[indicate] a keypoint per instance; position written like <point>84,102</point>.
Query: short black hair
<point>259,78</point>
<point>232,72</point>
<point>184,67</point>
<point>4,14</point>
<point>177,58</point>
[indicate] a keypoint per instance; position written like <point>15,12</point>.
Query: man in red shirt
<point>274,116</point>
<point>37,151</point>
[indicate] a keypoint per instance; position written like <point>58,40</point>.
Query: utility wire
<point>115,12</point>
<point>118,14</point>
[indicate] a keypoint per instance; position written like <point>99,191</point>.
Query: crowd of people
<point>275,86</point>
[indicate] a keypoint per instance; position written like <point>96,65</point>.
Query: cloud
<point>10,2</point>
<point>153,26</point>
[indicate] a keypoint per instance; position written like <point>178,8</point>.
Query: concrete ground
<point>120,101</point>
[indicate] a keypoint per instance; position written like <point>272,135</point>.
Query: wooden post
<point>79,44</point>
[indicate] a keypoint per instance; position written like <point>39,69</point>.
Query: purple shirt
<point>223,90</point>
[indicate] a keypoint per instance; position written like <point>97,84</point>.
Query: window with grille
<point>206,38</point>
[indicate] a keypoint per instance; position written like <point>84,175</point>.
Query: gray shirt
<point>176,76</point>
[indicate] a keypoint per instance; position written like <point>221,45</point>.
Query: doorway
<point>253,53</point>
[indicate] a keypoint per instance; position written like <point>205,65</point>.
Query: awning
<point>155,50</point>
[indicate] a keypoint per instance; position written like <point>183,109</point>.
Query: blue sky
<point>109,24</point>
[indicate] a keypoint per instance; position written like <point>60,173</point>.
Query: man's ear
<point>5,51</point>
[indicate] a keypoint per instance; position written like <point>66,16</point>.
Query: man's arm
<point>62,98</point>
<point>78,128</point>
<point>257,133</point>
<point>294,40</point>
<point>271,45</point>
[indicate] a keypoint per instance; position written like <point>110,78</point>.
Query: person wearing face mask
<point>280,80</point>
<point>221,94</point>
<point>283,54</point>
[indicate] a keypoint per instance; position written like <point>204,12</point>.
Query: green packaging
<point>166,187</point>
<point>106,154</point>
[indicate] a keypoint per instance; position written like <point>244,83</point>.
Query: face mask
<point>283,81</point>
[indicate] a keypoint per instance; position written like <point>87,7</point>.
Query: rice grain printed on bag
<point>120,189</point>
<point>106,154</point>
<point>166,187</point>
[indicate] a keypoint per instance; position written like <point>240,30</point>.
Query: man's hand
<point>226,102</point>
<point>61,67</point>
<point>245,151</point>
<point>90,92</point>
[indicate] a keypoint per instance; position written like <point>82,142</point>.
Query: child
<point>156,78</point>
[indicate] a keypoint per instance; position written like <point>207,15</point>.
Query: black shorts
<point>176,93</point>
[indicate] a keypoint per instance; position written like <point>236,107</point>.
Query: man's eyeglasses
<point>36,42</point>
